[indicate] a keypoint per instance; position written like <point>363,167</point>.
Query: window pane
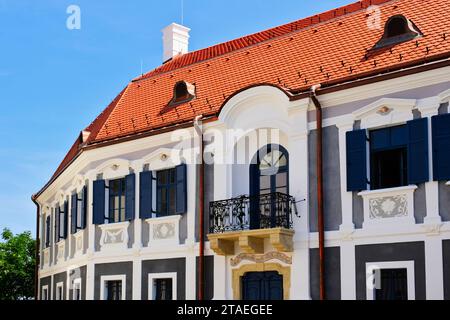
<point>281,179</point>
<point>172,201</point>
<point>264,182</point>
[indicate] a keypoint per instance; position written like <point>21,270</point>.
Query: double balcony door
<point>262,286</point>
<point>269,177</point>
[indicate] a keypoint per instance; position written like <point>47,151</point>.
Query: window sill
<point>386,191</point>
<point>394,206</point>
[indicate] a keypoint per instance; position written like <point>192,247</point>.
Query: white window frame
<point>408,265</point>
<point>59,285</point>
<point>76,282</point>
<point>155,276</point>
<point>103,288</point>
<point>45,288</point>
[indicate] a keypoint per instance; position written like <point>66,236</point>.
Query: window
<point>78,211</point>
<point>162,286</point>
<point>76,293</point>
<point>114,290</point>
<point>113,287</point>
<point>163,289</point>
<point>398,29</point>
<point>388,158</point>
<point>391,284</point>
<point>61,215</point>
<point>166,186</point>
<point>390,280</point>
<point>59,291</point>
<point>44,294</point>
<point>47,232</point>
<point>117,189</point>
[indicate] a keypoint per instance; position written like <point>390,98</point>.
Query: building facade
<point>134,213</point>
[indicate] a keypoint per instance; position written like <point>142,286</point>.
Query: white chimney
<point>175,41</point>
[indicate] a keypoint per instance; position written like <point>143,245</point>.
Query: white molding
<point>401,198</point>
<point>42,292</point>
<point>400,111</point>
<point>170,230</point>
<point>114,168</point>
<point>167,275</point>
<point>117,233</point>
<point>408,265</point>
<point>58,286</point>
<point>78,241</point>
<point>104,279</point>
<point>444,96</point>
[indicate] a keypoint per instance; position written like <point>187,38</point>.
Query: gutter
<point>319,171</point>
<point>37,246</point>
<point>201,263</point>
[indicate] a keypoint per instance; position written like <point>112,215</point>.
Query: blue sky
<point>55,81</point>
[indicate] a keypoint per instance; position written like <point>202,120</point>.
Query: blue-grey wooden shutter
<point>130,200</point>
<point>255,214</point>
<point>441,147</point>
<point>418,164</point>
<point>57,213</point>
<point>66,218</point>
<point>181,193</point>
<point>145,195</point>
<point>356,160</point>
<point>73,212</point>
<point>82,223</point>
<point>99,202</point>
<point>47,232</point>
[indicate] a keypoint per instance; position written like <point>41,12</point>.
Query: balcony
<point>248,221</point>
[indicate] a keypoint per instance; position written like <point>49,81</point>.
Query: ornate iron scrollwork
<point>273,210</point>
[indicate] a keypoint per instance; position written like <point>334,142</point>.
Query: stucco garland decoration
<point>274,255</point>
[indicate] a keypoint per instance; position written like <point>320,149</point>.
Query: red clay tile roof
<point>331,47</point>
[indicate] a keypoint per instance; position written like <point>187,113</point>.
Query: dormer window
<point>182,93</point>
<point>398,29</point>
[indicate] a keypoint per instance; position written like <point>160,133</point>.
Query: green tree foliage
<point>17,262</point>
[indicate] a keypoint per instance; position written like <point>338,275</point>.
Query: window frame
<point>168,186</point>
<point>373,152</point>
<point>76,282</point>
<point>373,266</point>
<point>45,289</point>
<point>157,276</point>
<point>104,288</point>
<point>59,295</point>
<point>121,195</point>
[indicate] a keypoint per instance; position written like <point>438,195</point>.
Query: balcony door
<point>269,175</point>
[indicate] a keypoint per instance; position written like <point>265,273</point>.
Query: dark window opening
<point>392,284</point>
<point>47,232</point>
<point>388,158</point>
<point>117,190</point>
<point>166,186</point>
<point>396,27</point>
<point>389,169</point>
<point>163,289</point>
<point>182,93</point>
<point>114,290</point>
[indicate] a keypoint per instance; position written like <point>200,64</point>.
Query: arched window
<point>269,188</point>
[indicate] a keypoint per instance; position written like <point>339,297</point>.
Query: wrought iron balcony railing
<point>265,211</point>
